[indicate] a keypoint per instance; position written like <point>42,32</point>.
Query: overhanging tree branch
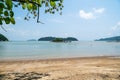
<point>26,1</point>
<point>33,7</point>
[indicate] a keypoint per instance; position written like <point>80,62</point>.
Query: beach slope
<point>86,68</point>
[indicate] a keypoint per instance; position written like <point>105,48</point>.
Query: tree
<point>3,38</point>
<point>33,7</point>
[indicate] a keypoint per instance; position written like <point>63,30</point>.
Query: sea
<point>47,50</point>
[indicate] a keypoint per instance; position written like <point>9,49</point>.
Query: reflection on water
<point>51,49</point>
<point>2,49</point>
<point>1,45</point>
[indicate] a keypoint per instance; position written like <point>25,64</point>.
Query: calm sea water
<point>41,50</point>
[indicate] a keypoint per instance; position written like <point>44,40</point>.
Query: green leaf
<point>38,1</point>
<point>12,20</point>
<point>53,12</point>
<point>6,13</point>
<point>24,6</point>
<point>46,4</point>
<point>52,3</point>
<point>1,22</point>
<point>43,1</point>
<point>46,11</point>
<point>7,20</point>
<point>9,4</point>
<point>34,7</point>
<point>29,6</point>
<point>1,5</point>
<point>59,4</point>
<point>1,10</point>
<point>61,1</point>
<point>60,8</point>
<point>11,13</point>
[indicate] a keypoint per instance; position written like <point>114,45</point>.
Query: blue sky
<point>83,19</point>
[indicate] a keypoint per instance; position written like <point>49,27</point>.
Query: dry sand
<point>89,68</point>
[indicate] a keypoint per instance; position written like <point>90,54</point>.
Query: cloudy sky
<point>83,19</point>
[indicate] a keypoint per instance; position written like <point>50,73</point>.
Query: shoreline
<point>55,58</point>
<point>76,68</point>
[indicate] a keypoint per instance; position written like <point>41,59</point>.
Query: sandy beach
<point>84,68</point>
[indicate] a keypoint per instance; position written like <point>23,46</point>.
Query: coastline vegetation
<point>3,38</point>
<point>58,40</point>
<point>110,39</point>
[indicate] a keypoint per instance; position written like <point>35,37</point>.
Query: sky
<point>82,19</point>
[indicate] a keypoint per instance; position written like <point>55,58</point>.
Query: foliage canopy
<point>33,7</point>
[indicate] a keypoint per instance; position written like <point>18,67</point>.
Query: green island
<point>110,39</point>
<point>3,38</point>
<point>57,39</point>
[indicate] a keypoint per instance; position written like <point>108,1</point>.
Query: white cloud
<point>18,18</point>
<point>109,34</point>
<point>56,20</point>
<point>10,29</point>
<point>86,15</point>
<point>115,30</point>
<point>116,26</point>
<point>92,14</point>
<point>14,33</point>
<point>100,10</point>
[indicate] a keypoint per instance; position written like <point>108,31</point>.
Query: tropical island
<point>56,39</point>
<point>110,39</point>
<point>3,38</point>
<point>31,40</point>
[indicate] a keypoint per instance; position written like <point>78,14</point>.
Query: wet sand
<point>84,68</point>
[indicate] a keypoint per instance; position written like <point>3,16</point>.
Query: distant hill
<point>110,39</point>
<point>31,40</point>
<point>3,38</point>
<point>53,38</point>
<point>71,39</point>
<point>46,39</point>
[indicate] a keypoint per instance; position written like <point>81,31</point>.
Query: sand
<point>85,68</point>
